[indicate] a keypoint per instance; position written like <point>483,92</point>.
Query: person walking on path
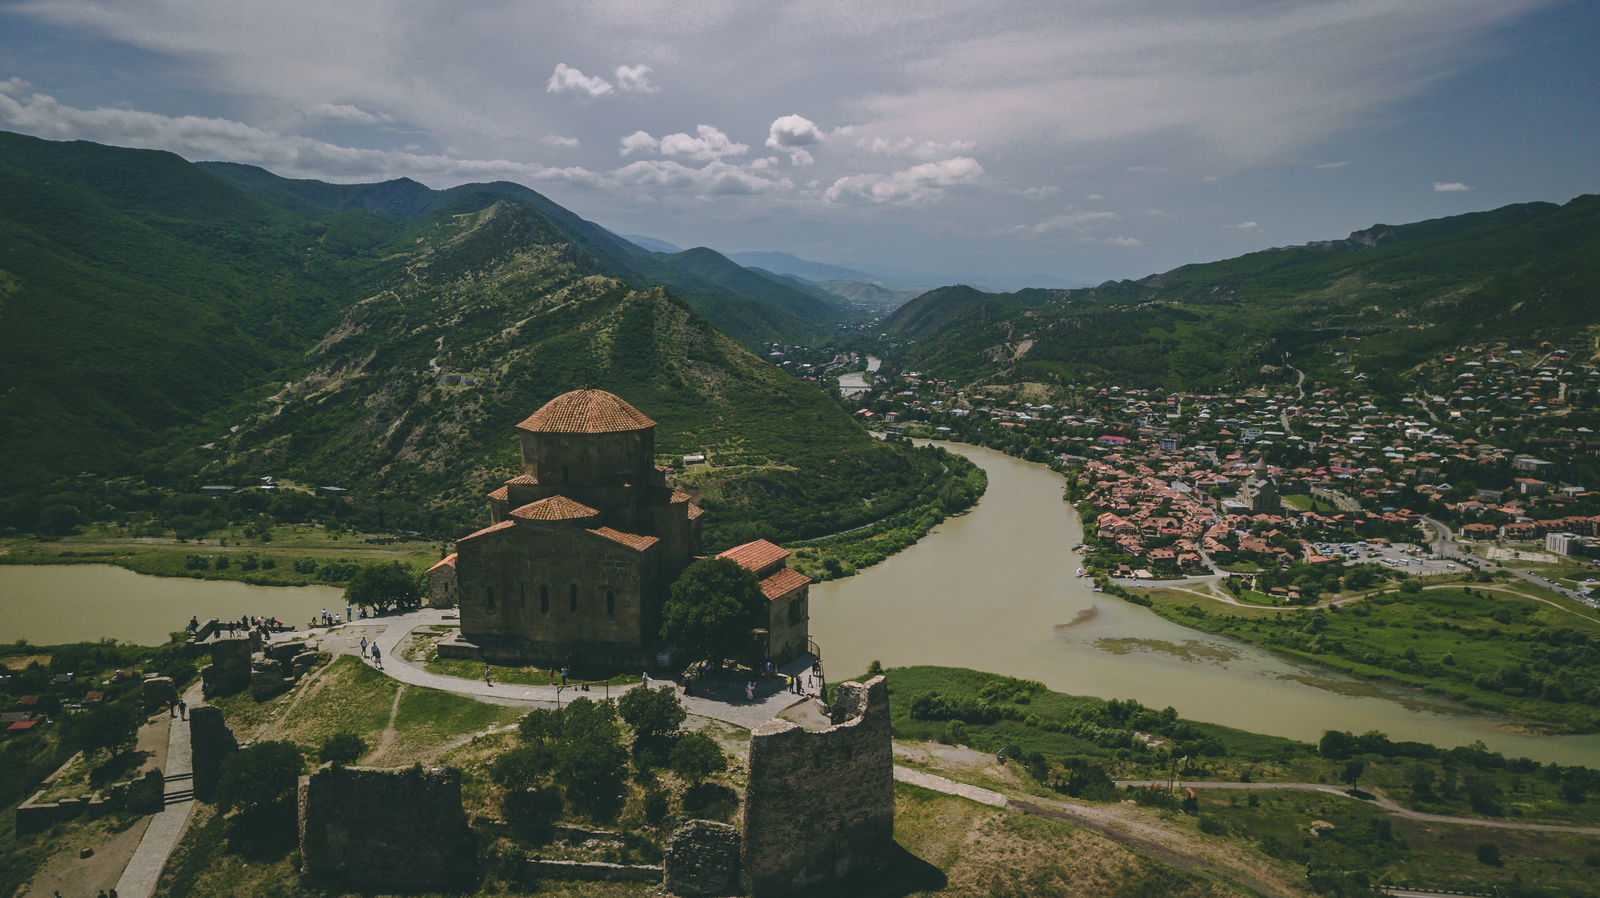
<point>486,680</point>
<point>644,678</point>
<point>363,645</point>
<point>750,691</point>
<point>183,709</point>
<point>377,657</point>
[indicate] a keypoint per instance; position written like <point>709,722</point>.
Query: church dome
<point>586,411</point>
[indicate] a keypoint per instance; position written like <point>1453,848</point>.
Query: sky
<point>1081,139</point>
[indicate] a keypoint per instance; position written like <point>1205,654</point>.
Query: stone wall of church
<point>789,625</point>
<point>570,462</point>
<point>533,572</point>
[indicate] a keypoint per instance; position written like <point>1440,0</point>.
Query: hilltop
<point>1521,274</point>
<point>182,324</point>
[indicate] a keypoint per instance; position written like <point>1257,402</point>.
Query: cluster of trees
<point>577,757</point>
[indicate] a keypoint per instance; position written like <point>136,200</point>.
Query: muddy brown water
<point>53,604</point>
<point>992,589</point>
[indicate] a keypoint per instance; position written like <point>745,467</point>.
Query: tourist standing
<point>486,680</point>
<point>750,691</point>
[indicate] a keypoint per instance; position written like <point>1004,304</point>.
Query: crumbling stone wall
<point>702,860</point>
<point>210,743</point>
<point>384,827</point>
<point>820,805</point>
<point>229,670</point>
<point>158,692</point>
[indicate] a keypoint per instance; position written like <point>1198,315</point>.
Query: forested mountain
<point>163,321</point>
<point>1529,271</point>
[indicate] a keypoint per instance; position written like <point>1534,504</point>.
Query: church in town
<point>584,545</point>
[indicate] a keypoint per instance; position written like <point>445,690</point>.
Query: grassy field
<point>1497,649</point>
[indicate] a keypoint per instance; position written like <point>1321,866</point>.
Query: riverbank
<point>992,589</point>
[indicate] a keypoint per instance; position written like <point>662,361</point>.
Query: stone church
<point>1260,491</point>
<point>585,544</point>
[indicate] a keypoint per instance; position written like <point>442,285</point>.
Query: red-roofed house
<point>787,591</point>
<point>442,583</point>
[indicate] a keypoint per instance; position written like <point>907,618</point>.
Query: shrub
<point>343,747</point>
<point>652,712</point>
<point>697,756</point>
<point>1489,853</point>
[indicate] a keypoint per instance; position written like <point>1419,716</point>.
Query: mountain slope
<point>492,293</point>
<point>1520,273</point>
<point>750,308</point>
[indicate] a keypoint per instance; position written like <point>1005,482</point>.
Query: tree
<point>1336,745</point>
<point>697,756</point>
<point>111,726</point>
<point>1352,772</point>
<point>263,774</point>
<point>652,712</point>
<point>343,747</point>
<point>385,586</point>
<point>1420,778</point>
<point>715,604</point>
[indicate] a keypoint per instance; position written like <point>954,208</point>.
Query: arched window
<point>572,598</point>
<point>611,604</point>
<point>489,601</point>
<point>544,599</point>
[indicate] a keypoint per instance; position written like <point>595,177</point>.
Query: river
<point>50,605</point>
<point>856,383</point>
<point>994,590</point>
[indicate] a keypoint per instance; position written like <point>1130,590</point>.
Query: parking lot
<point>1395,557</point>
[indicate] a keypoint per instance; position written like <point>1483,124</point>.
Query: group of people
<point>371,650</point>
<point>261,624</point>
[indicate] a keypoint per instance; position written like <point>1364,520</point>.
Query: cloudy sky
<point>1085,139</point>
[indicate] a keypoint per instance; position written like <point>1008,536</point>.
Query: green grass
<point>1489,649</point>
<point>431,715</point>
<point>525,675</point>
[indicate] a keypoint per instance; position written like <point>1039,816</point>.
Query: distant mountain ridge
<point>1526,272</point>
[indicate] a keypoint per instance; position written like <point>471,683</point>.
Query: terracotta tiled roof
<point>500,494</point>
<point>524,480</point>
<point>695,511</point>
<point>780,584</point>
<point>447,561</point>
<point>679,496</point>
<point>555,508</point>
<point>635,541</point>
<point>756,555</point>
<point>493,528</point>
<point>586,411</point>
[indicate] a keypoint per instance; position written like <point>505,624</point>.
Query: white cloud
<point>1334,164</point>
<point>1038,193</point>
<point>1449,187</point>
<point>919,183</point>
<point>710,144</point>
<point>793,133</point>
<point>1124,241</point>
<point>927,149</point>
<point>639,142</point>
<point>634,79</point>
<point>1243,226</point>
<point>1095,196</point>
<point>341,114</point>
<point>717,178</point>
<point>566,79</point>
<point>1075,226</point>
<point>556,140</point>
<point>15,87</point>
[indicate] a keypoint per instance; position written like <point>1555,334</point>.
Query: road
<point>1378,799</point>
<point>1445,547</point>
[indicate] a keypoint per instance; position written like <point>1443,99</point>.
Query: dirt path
<point>387,739</point>
<point>1382,801</point>
<point>1149,841</point>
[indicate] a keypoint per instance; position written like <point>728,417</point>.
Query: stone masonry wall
<point>384,827</point>
<point>820,805</point>
<point>229,670</point>
<point>702,860</point>
<point>210,743</point>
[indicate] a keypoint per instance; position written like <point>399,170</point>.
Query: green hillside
<point>742,304</point>
<point>162,322</point>
<point>1525,272</point>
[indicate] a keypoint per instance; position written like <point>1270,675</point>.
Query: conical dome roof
<point>586,411</point>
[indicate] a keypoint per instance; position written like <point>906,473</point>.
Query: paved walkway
<point>726,701</point>
<point>1381,801</point>
<point>144,870</point>
<point>948,787</point>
